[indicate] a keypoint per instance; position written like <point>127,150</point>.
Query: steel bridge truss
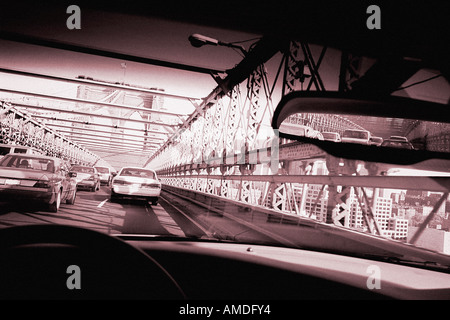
<point>332,198</point>
<point>220,148</point>
<point>21,129</point>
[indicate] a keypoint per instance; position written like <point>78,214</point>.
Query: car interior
<point>35,259</point>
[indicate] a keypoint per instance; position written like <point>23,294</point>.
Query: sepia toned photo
<point>224,152</point>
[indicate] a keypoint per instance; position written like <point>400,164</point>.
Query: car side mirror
<point>72,174</point>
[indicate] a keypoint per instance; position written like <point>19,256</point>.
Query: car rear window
<point>356,134</point>
<point>138,173</point>
<point>29,163</point>
<point>102,170</point>
<point>20,150</point>
<point>82,169</point>
<point>4,150</point>
<point>329,135</point>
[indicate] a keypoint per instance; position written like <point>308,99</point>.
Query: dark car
<point>38,178</point>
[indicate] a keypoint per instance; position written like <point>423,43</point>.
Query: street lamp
<point>198,40</point>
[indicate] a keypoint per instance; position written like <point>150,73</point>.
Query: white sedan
<point>134,182</point>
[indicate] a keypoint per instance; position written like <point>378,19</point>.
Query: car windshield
<point>154,98</point>
<point>82,169</point>
<point>29,163</point>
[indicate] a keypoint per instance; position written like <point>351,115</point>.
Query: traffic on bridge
<point>193,158</point>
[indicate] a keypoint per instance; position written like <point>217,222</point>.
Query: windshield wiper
<point>167,237</point>
<point>429,265</point>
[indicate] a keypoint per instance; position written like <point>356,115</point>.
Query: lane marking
<point>102,203</point>
<point>208,234</point>
<point>166,221</point>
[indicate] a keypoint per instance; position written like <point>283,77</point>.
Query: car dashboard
<point>38,262</point>
<point>209,270</point>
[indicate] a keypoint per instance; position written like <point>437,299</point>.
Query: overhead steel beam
<point>94,124</point>
<point>97,103</point>
<point>113,133</point>
<point>114,146</point>
<point>11,36</point>
<point>118,155</point>
<point>93,115</point>
<point>107,154</point>
<point>89,81</point>
<point>116,149</point>
<point>98,140</point>
<point>74,133</point>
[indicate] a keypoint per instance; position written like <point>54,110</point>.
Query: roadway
<point>172,216</point>
<point>94,210</point>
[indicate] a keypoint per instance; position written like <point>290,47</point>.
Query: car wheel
<point>97,186</point>
<point>155,201</point>
<point>55,205</point>
<point>71,200</point>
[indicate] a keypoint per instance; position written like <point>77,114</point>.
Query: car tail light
<point>42,184</point>
<point>151,185</point>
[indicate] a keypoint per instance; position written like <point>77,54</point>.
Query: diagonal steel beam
<point>428,219</point>
<point>264,49</point>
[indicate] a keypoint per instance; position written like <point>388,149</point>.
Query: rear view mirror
<point>395,130</point>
